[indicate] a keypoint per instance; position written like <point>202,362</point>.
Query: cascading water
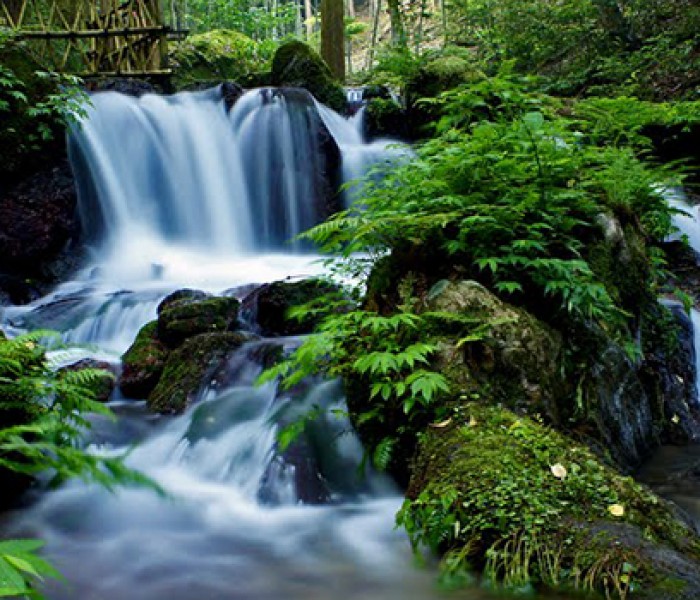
<point>177,192</point>
<point>358,156</point>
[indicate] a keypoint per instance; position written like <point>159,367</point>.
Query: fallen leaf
<point>616,510</point>
<point>559,471</point>
<point>441,424</point>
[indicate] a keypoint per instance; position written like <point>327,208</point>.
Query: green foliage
<point>43,417</point>
<point>511,192</point>
<point>19,564</point>
<point>388,354</point>
<point>35,107</point>
<point>640,47</point>
<point>218,55</point>
<point>249,17</point>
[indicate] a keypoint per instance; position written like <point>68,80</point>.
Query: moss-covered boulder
<point>384,117</point>
<point>296,64</point>
<point>269,305</point>
<point>188,366</point>
<point>444,71</point>
<point>187,315</point>
<point>215,56</point>
<point>514,356</point>
<point>501,492</point>
<point>143,363</point>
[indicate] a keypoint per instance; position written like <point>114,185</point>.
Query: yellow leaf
<point>441,424</point>
<point>559,471</point>
<point>616,510</point>
<point>472,422</point>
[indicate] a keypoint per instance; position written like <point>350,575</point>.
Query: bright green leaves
<point>384,363</point>
<point>19,565</point>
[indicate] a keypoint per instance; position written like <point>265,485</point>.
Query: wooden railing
<point>92,37</point>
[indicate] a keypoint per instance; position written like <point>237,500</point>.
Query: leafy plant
<point>43,417</point>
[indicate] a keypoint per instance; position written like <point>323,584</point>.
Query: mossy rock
<point>188,367</point>
<point>269,305</point>
<point>188,316</point>
<point>296,64</point>
<point>620,259</point>
<point>444,72</point>
<point>217,55</point>
<point>503,493</point>
<point>517,356</point>
<point>143,363</point>
<point>385,118</point>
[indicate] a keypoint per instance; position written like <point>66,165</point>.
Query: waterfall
<point>359,156</point>
<point>179,192</point>
<point>688,224</point>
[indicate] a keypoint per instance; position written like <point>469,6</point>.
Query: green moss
<point>188,366</point>
<point>186,318</point>
<point>143,363</point>
<point>296,64</point>
<point>214,56</point>
<point>509,496</point>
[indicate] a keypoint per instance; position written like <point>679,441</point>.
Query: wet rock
<point>296,64</point>
<point>268,306</point>
<point>104,387</point>
<point>230,90</point>
<point>623,414</point>
<point>668,374</point>
<point>124,85</point>
<point>188,366</point>
<point>183,295</point>
<point>143,363</point>
<point>187,316</point>
<point>38,224</point>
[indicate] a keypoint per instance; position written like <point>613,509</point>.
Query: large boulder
<point>516,357</point>
<point>296,64</point>
<point>188,366</point>
<point>444,71</point>
<point>143,363</point>
<point>269,305</point>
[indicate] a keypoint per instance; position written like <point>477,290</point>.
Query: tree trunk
<point>309,19</point>
<point>375,31</point>
<point>333,36</point>
<point>398,33</point>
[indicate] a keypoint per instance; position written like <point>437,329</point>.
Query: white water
<point>688,224</point>
<point>358,155</point>
<point>178,193</point>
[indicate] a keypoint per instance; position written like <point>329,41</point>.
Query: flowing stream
<point>179,192</point>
